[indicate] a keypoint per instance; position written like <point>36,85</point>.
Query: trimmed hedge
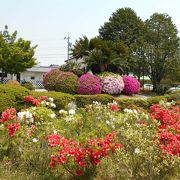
<point>12,96</point>
<point>60,99</point>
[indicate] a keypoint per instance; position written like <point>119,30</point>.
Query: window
<point>32,77</point>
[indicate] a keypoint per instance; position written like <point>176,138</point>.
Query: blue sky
<point>47,22</point>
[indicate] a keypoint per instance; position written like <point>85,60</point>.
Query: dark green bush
<point>12,96</point>
<point>60,99</point>
<point>83,100</point>
<point>28,85</point>
<point>162,89</point>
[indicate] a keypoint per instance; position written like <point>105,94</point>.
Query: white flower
<point>55,132</point>
<point>135,111</point>
<point>128,110</point>
<point>51,99</point>
<point>113,126</point>
<point>137,150</point>
<point>43,102</point>
<point>53,105</point>
<point>52,116</point>
<point>28,115</point>
<point>72,111</point>
<point>72,105</point>
<point>34,140</point>
<point>47,103</point>
<point>20,149</point>
<point>107,122</point>
<point>62,111</point>
<point>21,115</point>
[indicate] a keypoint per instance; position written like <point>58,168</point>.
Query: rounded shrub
<point>56,80</point>
<point>67,82</point>
<point>28,85</point>
<point>112,83</point>
<point>131,85</point>
<point>13,82</point>
<point>50,79</point>
<point>89,84</point>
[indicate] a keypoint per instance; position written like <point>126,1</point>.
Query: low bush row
<point>13,96</point>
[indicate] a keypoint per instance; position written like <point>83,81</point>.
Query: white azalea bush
<point>135,154</point>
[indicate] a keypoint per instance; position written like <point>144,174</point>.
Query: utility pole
<point>68,45</point>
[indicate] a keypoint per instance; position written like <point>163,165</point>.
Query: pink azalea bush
<point>89,84</point>
<point>61,81</point>
<point>112,84</point>
<point>131,85</point>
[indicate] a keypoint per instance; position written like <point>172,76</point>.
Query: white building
<point>33,75</point>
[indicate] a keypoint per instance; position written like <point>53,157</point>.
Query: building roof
<point>43,69</point>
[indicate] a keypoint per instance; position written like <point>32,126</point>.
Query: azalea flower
<point>72,111</point>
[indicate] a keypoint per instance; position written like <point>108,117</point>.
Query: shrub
<point>50,79</point>
<point>67,82</point>
<point>89,84</point>
<point>112,83</point>
<point>12,96</point>
<point>131,85</point>
<point>60,81</point>
<point>28,85</point>
<point>162,89</point>
<point>13,82</point>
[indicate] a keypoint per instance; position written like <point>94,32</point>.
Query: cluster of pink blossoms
<point>82,154</point>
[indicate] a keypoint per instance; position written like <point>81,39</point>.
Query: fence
<point>36,84</point>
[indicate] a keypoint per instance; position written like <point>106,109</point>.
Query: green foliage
<point>162,46</point>
<point>28,85</point>
<point>61,99</point>
<point>83,100</point>
<point>15,55</point>
<point>156,100</point>
<point>162,89</point>
<point>100,54</point>
<point>12,96</point>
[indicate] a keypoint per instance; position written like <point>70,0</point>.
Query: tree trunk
<point>102,67</point>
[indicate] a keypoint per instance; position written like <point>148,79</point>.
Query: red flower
<point>79,172</point>
<point>12,128</point>
<point>54,140</point>
<point>114,107</point>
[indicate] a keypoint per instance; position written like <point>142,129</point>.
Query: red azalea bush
<point>10,121</point>
<point>83,156</point>
<point>131,85</point>
<point>60,81</point>
<point>169,127</point>
<point>89,84</point>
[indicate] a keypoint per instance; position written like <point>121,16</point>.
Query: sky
<point>47,22</point>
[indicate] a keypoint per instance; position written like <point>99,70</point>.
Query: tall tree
<point>162,46</point>
<point>124,25</point>
<point>15,55</point>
